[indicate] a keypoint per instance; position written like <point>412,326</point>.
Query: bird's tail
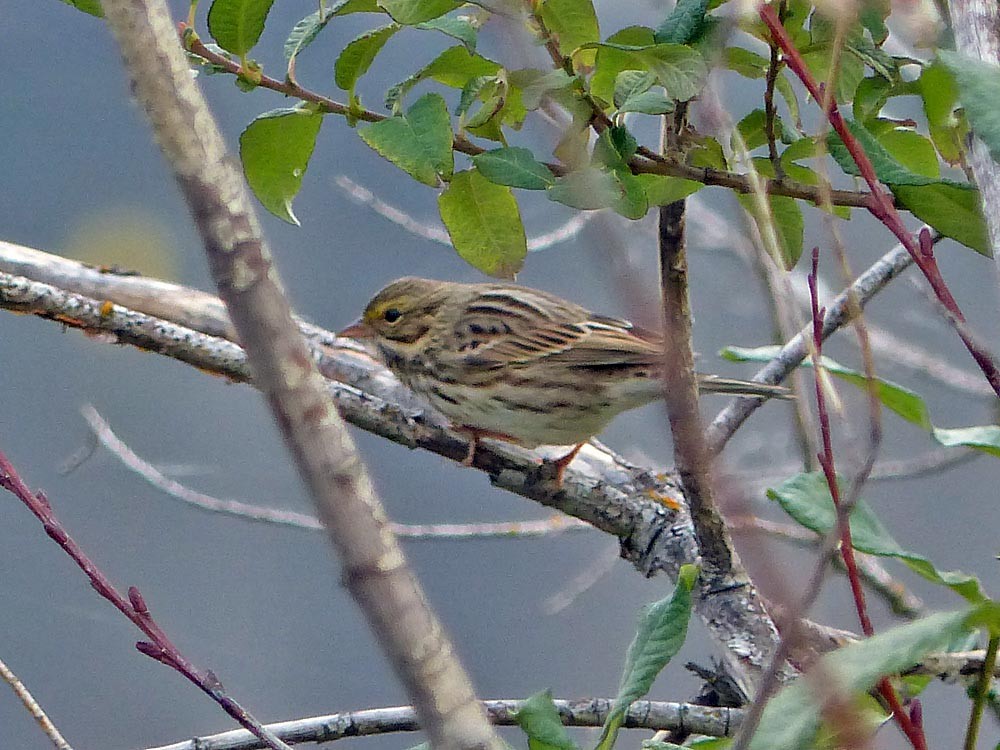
<point>736,387</point>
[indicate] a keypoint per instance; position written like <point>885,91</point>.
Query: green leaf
<point>902,401</point>
<point>413,12</point>
<point>979,90</point>
<point>912,150</point>
<point>535,84</point>
<point>588,189</point>
<point>684,23</point>
<point>420,143</point>
<point>347,7</point>
<point>458,27</point>
<point>573,23</point>
<point>849,75</point>
<point>679,69</point>
<point>614,147</point>
<point>951,208</point>
<point>806,498</point>
<point>92,7</point>
<point>611,60</point>
<point>237,24</point>
<point>275,149</point>
<point>789,226</point>
<point>660,635</point>
<point>359,54</point>
<point>632,94</point>
<point>305,31</point>
<point>515,167</point>
<point>939,93</point>
<point>539,718</point>
<point>662,190</point>
<point>985,438</point>
<point>454,67</point>
<point>484,224</point>
<point>792,718</point>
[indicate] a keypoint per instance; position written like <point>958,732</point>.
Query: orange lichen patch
<point>107,307</point>
<point>666,500</point>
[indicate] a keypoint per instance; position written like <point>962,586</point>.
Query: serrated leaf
<point>348,7</point>
<point>806,498</point>
<point>359,54</point>
<point>950,207</point>
<point>514,167</point>
<point>573,23</point>
<point>412,12</point>
<point>683,24</point>
<point>91,7</point>
<point>660,635</point>
<point>454,67</point>
<point>419,143</point>
<point>457,27</point>
<point>614,147</point>
<point>236,25</point>
<point>305,32</point>
<point>275,149</point>
<point>662,190</point>
<point>679,69</point>
<point>912,150</point>
<point>611,60</point>
<point>539,718</point>
<point>792,718</point>
<point>484,224</point>
<point>632,94</point>
<point>953,209</point>
<point>979,90</point>
<point>849,75</point>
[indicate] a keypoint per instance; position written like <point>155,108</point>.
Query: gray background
<point>262,606</point>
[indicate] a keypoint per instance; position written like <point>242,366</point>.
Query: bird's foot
<point>561,464</point>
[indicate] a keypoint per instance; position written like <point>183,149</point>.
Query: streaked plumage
<point>508,361</point>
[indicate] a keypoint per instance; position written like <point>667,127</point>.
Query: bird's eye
<point>392,315</point>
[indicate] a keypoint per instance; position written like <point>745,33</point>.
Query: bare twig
<point>159,646</point>
<point>374,567</point>
<point>866,286</point>
<point>714,722</point>
<point>439,531</point>
<point>32,707</point>
<point>365,197</point>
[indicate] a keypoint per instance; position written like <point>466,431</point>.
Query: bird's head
<point>402,313</point>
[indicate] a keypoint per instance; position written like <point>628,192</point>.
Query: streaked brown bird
<point>518,364</point>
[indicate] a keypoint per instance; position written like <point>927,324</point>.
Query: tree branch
<point>374,567</point>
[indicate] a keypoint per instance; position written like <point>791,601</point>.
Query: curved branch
<point>635,504</point>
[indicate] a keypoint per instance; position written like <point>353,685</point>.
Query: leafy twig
<point>879,203</point>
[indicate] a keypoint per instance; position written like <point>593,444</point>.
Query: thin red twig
<point>159,646</point>
<point>879,202</point>
<point>911,729</point>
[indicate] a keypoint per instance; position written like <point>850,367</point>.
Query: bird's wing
<point>504,330</point>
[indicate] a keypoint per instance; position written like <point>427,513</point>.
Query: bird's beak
<point>358,330</point>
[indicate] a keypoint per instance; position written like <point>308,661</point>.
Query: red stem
<point>880,205</point>
<point>134,607</point>
<point>913,732</point>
